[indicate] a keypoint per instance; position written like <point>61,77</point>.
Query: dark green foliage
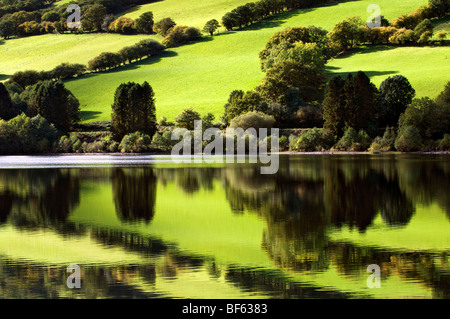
<point>30,77</point>
<point>93,17</point>
<point>66,71</point>
<point>353,141</point>
<point>240,102</point>
<point>308,142</point>
<point>396,93</point>
<point>211,26</point>
<point>254,120</point>
<point>443,99</point>
<point>51,16</point>
<point>288,74</point>
<point>439,8</point>
<point>6,29</point>
<point>186,118</point>
<point>163,141</point>
<point>55,103</point>
<point>144,24</point>
<point>293,35</point>
<point>151,47</point>
<point>359,101</point>
<point>347,33</point>
<point>106,60</point>
<point>424,26</point>
<point>408,139</point>
<point>26,135</point>
<point>444,144</point>
<point>163,26</point>
<point>334,106</point>
<point>429,118</point>
<point>309,115</point>
<point>7,110</point>
<point>133,110</point>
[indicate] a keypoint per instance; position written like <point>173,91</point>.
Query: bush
<point>444,144</point>
<point>95,147</point>
<point>309,141</point>
<point>27,135</point>
<point>408,139</point>
<point>68,144</point>
<point>353,141</point>
<point>179,35</point>
<point>163,141</point>
<point>136,142</point>
<point>253,119</point>
<point>283,143</point>
<point>186,118</point>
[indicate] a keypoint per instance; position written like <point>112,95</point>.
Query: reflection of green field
<point>428,230</point>
<point>202,224</point>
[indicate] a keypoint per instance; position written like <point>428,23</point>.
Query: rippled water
<point>143,227</point>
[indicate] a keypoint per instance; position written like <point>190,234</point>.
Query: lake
<point>144,227</point>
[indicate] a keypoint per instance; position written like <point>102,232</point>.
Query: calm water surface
<point>142,227</point>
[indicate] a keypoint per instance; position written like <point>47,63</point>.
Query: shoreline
<point>279,153</point>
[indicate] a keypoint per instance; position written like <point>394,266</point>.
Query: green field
<point>426,68</point>
<point>44,52</point>
<point>187,12</point>
<point>202,75</point>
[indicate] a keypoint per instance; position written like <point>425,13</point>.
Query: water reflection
<point>318,215</point>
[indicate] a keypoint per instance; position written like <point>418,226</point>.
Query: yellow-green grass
<point>44,52</point>
<point>427,68</point>
<point>187,12</point>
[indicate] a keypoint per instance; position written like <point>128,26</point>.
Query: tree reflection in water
<point>300,204</point>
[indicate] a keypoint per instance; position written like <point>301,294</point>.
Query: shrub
<point>163,141</point>
<point>95,147</point>
<point>387,143</point>
<point>444,144</point>
<point>353,141</point>
<point>136,142</point>
<point>283,143</point>
<point>186,118</point>
<point>253,119</point>
<point>179,35</point>
<point>27,135</point>
<point>309,141</point>
<point>408,139</point>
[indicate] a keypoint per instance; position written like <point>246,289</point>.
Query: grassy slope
<point>187,12</point>
<point>47,51</point>
<point>426,68</point>
<point>202,75</point>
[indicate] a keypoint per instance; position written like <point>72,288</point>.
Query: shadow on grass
<point>89,115</point>
<point>128,67</point>
<point>137,7</point>
<point>366,49</point>
<point>4,77</point>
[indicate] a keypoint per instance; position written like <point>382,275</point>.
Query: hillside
<point>202,75</point>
